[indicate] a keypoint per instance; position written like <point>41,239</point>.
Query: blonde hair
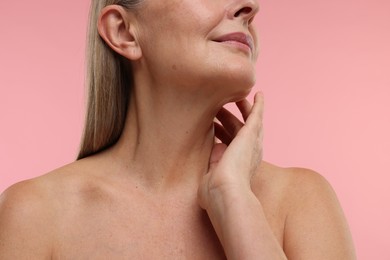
<point>108,81</point>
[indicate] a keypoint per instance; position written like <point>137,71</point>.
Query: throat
<point>161,155</point>
<point>167,137</point>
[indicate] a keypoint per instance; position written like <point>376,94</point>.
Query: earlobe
<point>116,30</point>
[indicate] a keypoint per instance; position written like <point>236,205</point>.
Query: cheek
<point>179,21</point>
<point>185,17</point>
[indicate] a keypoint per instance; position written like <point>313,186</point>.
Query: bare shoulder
<point>288,180</point>
<point>53,188</point>
<point>25,220</point>
<point>287,187</point>
<point>314,222</point>
<point>29,198</point>
<point>30,211</point>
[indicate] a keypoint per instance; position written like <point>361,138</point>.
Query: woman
<point>150,181</point>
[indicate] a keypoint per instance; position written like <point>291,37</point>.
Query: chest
<point>140,229</point>
<point>138,234</point>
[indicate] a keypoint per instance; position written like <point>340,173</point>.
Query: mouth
<point>237,38</point>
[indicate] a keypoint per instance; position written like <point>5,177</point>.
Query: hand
<point>235,161</point>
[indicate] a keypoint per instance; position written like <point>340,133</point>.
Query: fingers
<point>222,134</point>
<point>253,116</point>
<point>258,105</point>
<point>245,108</point>
<point>231,124</point>
<point>249,141</point>
<point>236,160</point>
<point>254,120</point>
<point>251,134</point>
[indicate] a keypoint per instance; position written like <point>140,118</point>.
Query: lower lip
<point>238,45</point>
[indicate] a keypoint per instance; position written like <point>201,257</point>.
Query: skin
<point>166,190</point>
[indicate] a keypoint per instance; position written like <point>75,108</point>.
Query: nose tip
<point>244,9</point>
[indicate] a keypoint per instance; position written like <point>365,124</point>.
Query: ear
<point>116,29</point>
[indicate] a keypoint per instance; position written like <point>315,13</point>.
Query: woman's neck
<point>167,138</point>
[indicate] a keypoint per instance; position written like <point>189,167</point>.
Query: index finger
<point>257,109</point>
<point>245,108</point>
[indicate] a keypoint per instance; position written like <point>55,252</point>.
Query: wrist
<point>228,194</point>
<point>230,201</point>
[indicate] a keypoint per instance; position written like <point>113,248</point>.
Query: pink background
<point>324,69</point>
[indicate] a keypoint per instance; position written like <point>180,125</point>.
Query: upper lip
<point>238,37</point>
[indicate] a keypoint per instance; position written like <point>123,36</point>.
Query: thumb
<point>216,154</point>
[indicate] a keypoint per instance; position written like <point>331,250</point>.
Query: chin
<point>238,69</point>
<point>236,87</point>
<point>239,80</point>
<point>239,95</point>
